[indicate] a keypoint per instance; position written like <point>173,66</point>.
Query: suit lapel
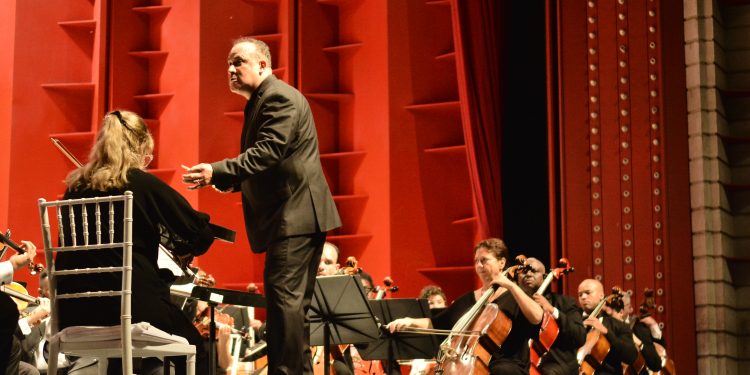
<point>251,112</point>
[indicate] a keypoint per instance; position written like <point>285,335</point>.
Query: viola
<point>549,329</point>
<point>336,352</point>
<point>466,352</point>
<point>593,352</point>
<point>373,367</point>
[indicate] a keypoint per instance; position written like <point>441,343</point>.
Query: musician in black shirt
<point>619,335</point>
<point>116,164</point>
<point>561,358</point>
<point>490,258</point>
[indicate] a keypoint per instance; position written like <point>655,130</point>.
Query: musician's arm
<point>402,324</point>
<point>653,361</point>
<point>530,309</point>
<point>176,214</point>
<point>570,321</point>
<point>6,272</point>
<point>621,338</point>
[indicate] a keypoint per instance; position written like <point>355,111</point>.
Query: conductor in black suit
<point>286,201</point>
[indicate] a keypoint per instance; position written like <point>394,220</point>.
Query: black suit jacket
<point>284,191</point>
<point>572,332</point>
<point>648,350</point>
<point>622,349</point>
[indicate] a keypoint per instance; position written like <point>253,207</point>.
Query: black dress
<point>513,356</point>
<point>160,215</point>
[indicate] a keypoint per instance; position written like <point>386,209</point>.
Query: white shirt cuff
<point>24,326</point>
<point>6,272</point>
<point>655,331</point>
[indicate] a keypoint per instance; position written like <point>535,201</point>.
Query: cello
<point>592,354</point>
<point>479,333</point>
<point>668,367</point>
<point>549,329</point>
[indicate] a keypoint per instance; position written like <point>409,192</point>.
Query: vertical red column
<point>623,151</point>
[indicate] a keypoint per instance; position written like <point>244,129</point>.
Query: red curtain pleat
<point>477,48</point>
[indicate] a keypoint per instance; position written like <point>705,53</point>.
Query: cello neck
<point>545,283</point>
<point>598,309</point>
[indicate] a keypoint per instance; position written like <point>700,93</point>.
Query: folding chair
<point>126,340</point>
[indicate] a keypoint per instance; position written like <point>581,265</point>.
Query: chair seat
<point>142,331</point>
<point>98,341</point>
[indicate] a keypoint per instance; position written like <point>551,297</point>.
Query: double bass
<point>592,354</point>
<point>549,329</point>
<point>479,333</point>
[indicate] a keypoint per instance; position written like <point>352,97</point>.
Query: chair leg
<point>52,364</point>
<point>191,364</point>
<point>101,366</point>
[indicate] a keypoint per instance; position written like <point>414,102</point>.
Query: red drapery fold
<point>477,47</point>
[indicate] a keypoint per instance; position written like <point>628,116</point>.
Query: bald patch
<point>536,264</point>
<point>592,285</point>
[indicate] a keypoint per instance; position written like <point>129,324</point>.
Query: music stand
<point>339,314</point>
<point>403,345</point>
<point>215,296</point>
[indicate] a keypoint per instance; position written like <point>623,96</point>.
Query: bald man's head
<point>532,278</point>
<point>590,292</point>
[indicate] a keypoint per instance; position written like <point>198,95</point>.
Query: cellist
<point>646,330</point>
<point>490,258</point>
<point>561,359</point>
<point>619,335</point>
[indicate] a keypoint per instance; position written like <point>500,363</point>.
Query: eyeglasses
<point>119,117</point>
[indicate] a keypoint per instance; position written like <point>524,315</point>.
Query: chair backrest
<point>79,228</point>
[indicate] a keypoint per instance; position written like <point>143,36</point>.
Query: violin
<point>19,295</point>
<point>202,322</point>
<point>34,268</point>
<point>593,352</point>
<point>549,329</point>
<point>479,333</point>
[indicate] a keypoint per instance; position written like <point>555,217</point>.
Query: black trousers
<point>289,280</point>
<point>8,326</point>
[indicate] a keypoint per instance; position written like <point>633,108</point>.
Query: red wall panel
<point>623,132</point>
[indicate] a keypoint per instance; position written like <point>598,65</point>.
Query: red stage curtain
<point>476,34</point>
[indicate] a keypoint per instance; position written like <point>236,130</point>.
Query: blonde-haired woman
<point>117,163</point>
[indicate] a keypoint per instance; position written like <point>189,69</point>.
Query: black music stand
<point>403,345</point>
<point>215,296</point>
<point>340,314</point>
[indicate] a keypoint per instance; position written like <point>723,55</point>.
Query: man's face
<point>328,262</point>
<point>589,294</point>
<point>532,279</point>
<point>436,301</point>
<point>245,69</point>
